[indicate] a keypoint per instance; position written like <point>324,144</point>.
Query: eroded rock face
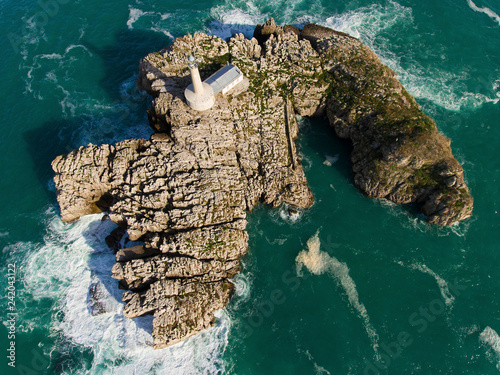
<point>398,153</point>
<point>185,192</point>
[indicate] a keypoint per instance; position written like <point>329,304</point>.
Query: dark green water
<point>390,295</point>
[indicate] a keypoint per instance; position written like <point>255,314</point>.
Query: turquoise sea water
<point>389,294</point>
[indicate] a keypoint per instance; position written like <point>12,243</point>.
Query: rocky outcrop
<point>398,152</point>
<point>185,196</point>
<point>263,32</point>
<point>185,192</point>
<point>315,33</point>
<point>96,299</point>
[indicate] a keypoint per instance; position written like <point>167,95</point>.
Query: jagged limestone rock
<point>185,192</point>
<point>263,32</point>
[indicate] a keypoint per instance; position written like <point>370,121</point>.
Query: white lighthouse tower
<point>199,95</point>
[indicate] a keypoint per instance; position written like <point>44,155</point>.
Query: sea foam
<point>242,289</point>
<point>319,262</point>
<point>157,23</point>
<point>442,284</point>
<point>318,370</point>
<point>229,22</point>
<point>134,15</point>
<point>485,10</point>
<point>443,88</point>
<point>491,338</point>
<point>242,16</point>
<point>72,258</point>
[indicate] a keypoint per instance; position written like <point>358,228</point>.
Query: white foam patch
<point>133,15</point>
<point>318,370</point>
<point>33,33</point>
<point>79,46</point>
<point>442,284</point>
<point>71,259</point>
<point>319,262</point>
<point>276,241</point>
<point>285,215</point>
<point>467,331</point>
<point>158,21</point>
<point>234,21</point>
<point>485,10</point>
<point>290,214</point>
<point>159,29</point>
<point>460,228</point>
<point>491,338</point>
<point>237,16</point>
<point>445,89</point>
<point>369,22</point>
<point>242,289</point>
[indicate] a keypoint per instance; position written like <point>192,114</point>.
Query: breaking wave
<point>75,257</point>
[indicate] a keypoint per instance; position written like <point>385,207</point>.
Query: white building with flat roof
<point>225,79</point>
<point>199,95</point>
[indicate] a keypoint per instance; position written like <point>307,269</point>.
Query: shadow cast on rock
<point>104,291</point>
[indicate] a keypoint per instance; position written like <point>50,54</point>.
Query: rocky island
<point>184,193</point>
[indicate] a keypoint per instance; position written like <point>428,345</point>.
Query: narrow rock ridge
<point>185,192</point>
